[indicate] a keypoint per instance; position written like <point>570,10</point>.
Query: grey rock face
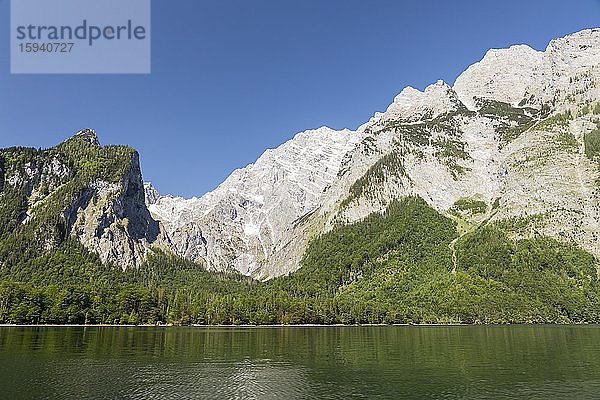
<point>37,180</point>
<point>89,136</point>
<point>151,194</point>
<point>237,226</point>
<point>515,140</point>
<point>112,219</point>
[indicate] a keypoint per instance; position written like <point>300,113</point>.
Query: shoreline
<point>279,325</point>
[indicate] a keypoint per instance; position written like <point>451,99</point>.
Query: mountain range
<point>507,141</point>
<point>500,168</point>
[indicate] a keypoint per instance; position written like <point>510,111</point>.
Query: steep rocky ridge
<point>238,225</point>
<point>77,189</point>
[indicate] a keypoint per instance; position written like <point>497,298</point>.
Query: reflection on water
<point>236,380</point>
<point>470,362</point>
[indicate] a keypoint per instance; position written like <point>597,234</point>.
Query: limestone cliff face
<point>238,225</point>
<point>112,219</point>
<point>28,181</point>
<point>82,190</point>
<point>511,142</point>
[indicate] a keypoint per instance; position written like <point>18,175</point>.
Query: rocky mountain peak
<point>507,75</point>
<point>322,132</point>
<point>520,74</point>
<point>239,223</point>
<point>88,135</point>
<point>151,194</point>
<point>412,105</point>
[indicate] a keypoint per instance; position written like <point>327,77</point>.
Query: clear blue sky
<point>232,78</point>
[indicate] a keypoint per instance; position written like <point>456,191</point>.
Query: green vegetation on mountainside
<point>512,121</point>
<point>469,206</point>
<point>592,144</point>
<point>392,268</point>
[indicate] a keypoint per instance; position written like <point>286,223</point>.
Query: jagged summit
<point>323,130</point>
<point>520,74</point>
<point>413,105</point>
<point>88,135</point>
<point>151,194</point>
<point>507,75</point>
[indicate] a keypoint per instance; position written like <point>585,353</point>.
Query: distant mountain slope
<point>238,225</point>
<point>515,140</point>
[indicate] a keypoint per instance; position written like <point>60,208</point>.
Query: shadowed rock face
<point>133,206</point>
<point>494,144</point>
<point>112,219</point>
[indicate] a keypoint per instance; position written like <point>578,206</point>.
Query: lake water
<point>401,362</point>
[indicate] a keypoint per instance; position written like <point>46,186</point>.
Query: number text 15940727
<point>51,47</point>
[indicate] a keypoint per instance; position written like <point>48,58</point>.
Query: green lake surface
<point>395,362</point>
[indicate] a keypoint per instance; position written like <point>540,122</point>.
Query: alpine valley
<point>472,203</point>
